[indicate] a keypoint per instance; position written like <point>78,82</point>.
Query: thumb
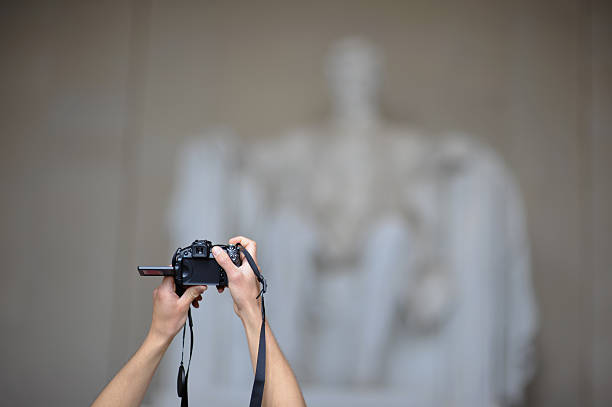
<point>190,294</point>
<point>224,261</point>
<point>168,283</point>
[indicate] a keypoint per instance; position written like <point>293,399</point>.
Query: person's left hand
<point>170,310</point>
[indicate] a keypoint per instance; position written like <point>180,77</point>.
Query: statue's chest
<point>348,182</point>
<point>350,187</point>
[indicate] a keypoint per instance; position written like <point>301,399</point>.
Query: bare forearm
<point>128,387</point>
<point>281,388</point>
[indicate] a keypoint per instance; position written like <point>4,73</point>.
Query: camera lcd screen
<point>156,271</point>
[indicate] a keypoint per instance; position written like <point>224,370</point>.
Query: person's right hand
<point>243,283</point>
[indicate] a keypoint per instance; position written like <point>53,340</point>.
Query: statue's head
<point>354,74</point>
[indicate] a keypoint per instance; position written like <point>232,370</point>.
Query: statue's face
<point>353,74</point>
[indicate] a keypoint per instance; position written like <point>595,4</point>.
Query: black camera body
<point>195,265</point>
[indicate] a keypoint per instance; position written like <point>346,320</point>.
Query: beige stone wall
<point>96,97</point>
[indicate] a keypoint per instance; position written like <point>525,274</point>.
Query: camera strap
<point>181,382</point>
<point>260,369</point>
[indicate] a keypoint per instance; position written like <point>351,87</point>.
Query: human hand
<point>243,283</point>
<point>170,310</point>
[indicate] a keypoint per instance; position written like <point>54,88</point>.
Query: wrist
<point>251,316</point>
<point>158,341</point>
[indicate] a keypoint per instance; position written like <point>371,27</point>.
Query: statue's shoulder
<point>403,137</point>
<point>407,148</point>
<point>464,154</point>
<point>452,153</point>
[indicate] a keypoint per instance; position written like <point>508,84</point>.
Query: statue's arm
<point>522,310</point>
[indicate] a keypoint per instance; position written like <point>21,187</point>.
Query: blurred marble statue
<point>398,263</point>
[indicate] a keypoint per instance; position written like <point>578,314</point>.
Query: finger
<point>190,295</point>
<point>247,243</point>
<point>224,261</point>
<point>220,289</point>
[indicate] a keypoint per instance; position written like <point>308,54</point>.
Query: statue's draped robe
<point>396,264</point>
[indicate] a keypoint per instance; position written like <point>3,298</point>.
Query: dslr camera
<point>195,265</point>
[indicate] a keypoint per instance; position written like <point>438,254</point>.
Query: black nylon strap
<point>183,376</point>
<point>260,370</point>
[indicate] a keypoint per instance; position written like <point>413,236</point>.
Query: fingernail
<point>216,250</point>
